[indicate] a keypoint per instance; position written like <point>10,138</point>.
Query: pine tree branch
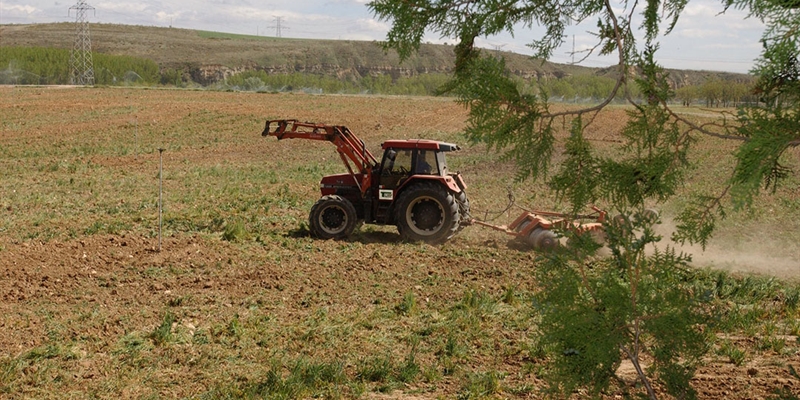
<point>640,372</point>
<point>702,128</point>
<point>620,80</point>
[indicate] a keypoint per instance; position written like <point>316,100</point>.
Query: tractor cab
<point>403,159</point>
<point>407,164</point>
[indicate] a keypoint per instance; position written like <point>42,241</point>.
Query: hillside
<point>210,57</point>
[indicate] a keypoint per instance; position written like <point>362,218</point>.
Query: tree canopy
<point>638,300</point>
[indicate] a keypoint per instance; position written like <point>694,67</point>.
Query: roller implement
<point>537,228</point>
<point>410,187</point>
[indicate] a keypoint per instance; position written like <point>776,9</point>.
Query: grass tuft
<point>481,385</point>
<point>374,369</point>
<point>510,295</point>
<point>9,370</point>
<point>45,352</point>
<point>409,370</point>
<point>163,332</point>
<point>407,306</point>
<point>734,354</point>
<point>235,232</point>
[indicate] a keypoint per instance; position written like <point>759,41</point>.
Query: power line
<point>81,64</point>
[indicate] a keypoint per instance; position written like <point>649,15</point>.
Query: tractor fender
<point>447,181</point>
<point>459,181</point>
<point>333,184</point>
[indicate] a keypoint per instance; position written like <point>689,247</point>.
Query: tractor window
<point>397,162</point>
<point>442,163</point>
<point>396,168</point>
<point>426,163</point>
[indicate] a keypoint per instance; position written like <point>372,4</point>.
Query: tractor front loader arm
<point>292,129</point>
<point>352,150</point>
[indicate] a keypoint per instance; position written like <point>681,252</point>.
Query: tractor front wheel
<point>427,212</point>
<point>332,217</point>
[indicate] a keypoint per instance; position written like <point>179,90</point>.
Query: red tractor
<point>410,187</point>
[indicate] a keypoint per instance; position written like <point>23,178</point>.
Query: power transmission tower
<point>498,47</point>
<point>80,59</point>
<point>572,53</point>
<point>278,26</point>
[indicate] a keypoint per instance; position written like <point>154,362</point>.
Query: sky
<point>703,39</point>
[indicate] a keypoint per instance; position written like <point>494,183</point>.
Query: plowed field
<point>233,298</point>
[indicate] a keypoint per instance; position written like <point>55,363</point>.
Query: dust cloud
<point>747,256</point>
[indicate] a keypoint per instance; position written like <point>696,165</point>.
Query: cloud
<point>701,10</point>
<point>22,9</point>
<point>14,12</point>
<point>371,24</point>
<point>697,33</point>
<point>347,2</point>
<point>121,8</point>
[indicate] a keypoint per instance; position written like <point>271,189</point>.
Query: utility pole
<point>80,59</point>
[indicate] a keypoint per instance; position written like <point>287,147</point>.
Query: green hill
<point>210,57</point>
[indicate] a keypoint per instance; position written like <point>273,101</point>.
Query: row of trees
<point>420,85</point>
<point>50,66</point>
<point>574,88</point>
<point>718,93</point>
<point>713,93</point>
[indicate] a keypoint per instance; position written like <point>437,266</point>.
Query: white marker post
<point>160,193</point>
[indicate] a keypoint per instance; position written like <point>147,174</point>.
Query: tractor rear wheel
<point>332,217</point>
<point>427,212</point>
<point>463,210</point>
